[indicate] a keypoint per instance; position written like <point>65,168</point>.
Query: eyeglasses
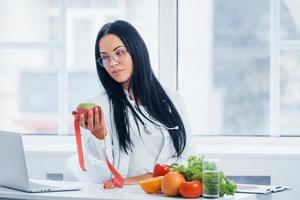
<point>119,56</point>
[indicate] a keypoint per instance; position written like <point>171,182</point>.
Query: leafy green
<point>209,166</point>
<point>193,172</point>
<point>227,186</point>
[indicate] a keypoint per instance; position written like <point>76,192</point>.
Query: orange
<point>151,185</point>
<point>170,184</point>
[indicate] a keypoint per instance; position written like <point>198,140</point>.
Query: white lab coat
<point>94,151</point>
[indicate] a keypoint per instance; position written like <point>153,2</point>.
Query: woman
<point>144,124</point>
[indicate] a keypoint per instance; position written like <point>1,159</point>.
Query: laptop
<point>13,170</point>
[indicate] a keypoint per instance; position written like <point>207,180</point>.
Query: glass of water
<point>211,178</point>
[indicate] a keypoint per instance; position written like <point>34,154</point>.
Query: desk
<point>93,191</point>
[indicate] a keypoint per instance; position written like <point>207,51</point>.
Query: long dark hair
<point>145,88</point>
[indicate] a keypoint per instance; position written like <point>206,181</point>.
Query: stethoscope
<point>148,129</point>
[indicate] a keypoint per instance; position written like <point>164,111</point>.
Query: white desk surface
<point>93,191</point>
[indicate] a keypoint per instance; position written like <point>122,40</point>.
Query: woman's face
<point>116,59</point>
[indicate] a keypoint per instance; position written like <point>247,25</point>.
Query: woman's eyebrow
<point>117,47</point>
<point>113,49</point>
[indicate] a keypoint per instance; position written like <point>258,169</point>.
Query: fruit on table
<point>171,182</point>
<point>160,170</point>
<point>191,189</point>
<point>151,185</point>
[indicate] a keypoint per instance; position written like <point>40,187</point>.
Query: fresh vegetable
<point>227,186</point>
<point>160,170</point>
<point>209,165</point>
<point>191,189</point>
<point>151,185</point>
<point>170,183</point>
<point>193,172</point>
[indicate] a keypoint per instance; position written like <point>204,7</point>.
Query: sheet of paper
<point>260,189</point>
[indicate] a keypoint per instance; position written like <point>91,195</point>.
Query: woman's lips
<point>117,72</point>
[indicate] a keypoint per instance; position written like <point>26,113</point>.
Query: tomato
<point>160,170</point>
<point>191,189</point>
<point>170,183</point>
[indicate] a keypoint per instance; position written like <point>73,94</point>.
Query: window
<point>47,64</point>
<point>238,61</point>
<point>239,66</point>
<point>289,52</point>
<point>29,63</point>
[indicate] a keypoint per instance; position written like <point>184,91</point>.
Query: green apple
<point>87,106</point>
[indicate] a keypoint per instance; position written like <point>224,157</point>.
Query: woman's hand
<point>136,179</point>
<point>94,122</point>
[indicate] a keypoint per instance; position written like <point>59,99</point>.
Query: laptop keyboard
<point>37,186</point>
